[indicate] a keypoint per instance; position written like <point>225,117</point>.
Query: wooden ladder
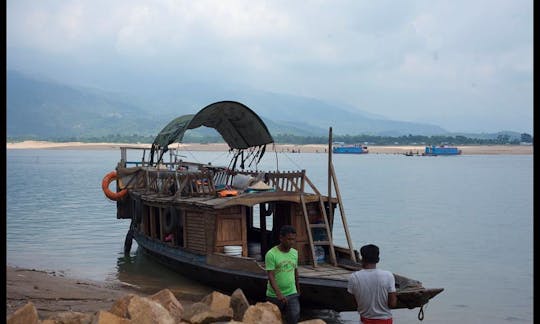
<point>309,226</point>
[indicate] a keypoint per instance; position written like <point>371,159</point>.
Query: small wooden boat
<point>179,217</point>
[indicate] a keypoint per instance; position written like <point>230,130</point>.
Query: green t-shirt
<point>283,265</point>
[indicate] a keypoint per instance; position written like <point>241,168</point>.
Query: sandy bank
<point>313,148</point>
<point>52,293</point>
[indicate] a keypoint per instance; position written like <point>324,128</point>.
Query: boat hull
<point>349,150</point>
<point>316,293</point>
<point>441,150</point>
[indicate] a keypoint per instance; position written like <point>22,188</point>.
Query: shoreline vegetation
<point>286,148</point>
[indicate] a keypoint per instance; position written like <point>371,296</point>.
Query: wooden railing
<point>203,182</point>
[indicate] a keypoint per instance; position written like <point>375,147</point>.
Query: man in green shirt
<point>281,263</point>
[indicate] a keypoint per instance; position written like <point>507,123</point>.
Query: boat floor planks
<point>324,271</point>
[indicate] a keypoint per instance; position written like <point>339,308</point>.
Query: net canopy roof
<point>240,127</point>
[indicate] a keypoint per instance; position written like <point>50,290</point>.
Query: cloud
<point>362,53</point>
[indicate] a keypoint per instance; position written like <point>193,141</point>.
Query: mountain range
<point>42,108</point>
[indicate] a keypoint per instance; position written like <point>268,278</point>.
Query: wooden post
<point>262,225</point>
<point>123,156</point>
<point>330,209</point>
<point>342,212</point>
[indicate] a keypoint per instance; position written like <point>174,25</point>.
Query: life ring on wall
<point>110,177</point>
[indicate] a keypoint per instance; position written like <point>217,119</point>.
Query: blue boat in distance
<point>434,150</point>
<point>342,148</point>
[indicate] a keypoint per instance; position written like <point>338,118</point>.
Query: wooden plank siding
<point>231,229</point>
<point>302,240</point>
<point>195,231</point>
<point>145,220</point>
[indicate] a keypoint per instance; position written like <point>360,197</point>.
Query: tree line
<point>300,140</point>
<point>404,140</point>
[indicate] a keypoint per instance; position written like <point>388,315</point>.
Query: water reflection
<point>149,276</point>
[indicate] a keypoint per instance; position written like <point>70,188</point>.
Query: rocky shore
<point>49,298</point>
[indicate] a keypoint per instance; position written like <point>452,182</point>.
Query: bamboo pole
<point>262,225</point>
<point>330,208</point>
<point>342,212</point>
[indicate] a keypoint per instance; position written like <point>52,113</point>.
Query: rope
<point>299,167</point>
<point>421,313</point>
<point>223,153</point>
<point>277,161</point>
<point>194,157</point>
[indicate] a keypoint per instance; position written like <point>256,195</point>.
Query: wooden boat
<point>411,153</point>
<point>179,216</point>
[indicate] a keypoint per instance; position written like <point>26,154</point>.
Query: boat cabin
<point>186,209</point>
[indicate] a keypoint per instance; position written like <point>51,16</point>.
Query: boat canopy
<point>240,127</point>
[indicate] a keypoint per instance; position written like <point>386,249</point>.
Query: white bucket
<point>234,250</point>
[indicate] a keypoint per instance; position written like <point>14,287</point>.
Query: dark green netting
<point>239,126</point>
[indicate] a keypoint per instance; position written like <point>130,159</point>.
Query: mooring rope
<point>277,161</point>
<point>421,313</point>
<point>219,156</point>
<point>194,157</point>
<point>288,157</point>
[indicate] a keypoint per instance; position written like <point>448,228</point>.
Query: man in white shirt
<point>374,289</point>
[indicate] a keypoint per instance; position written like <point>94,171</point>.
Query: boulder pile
<point>163,308</point>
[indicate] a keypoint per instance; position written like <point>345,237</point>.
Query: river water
<point>463,223</point>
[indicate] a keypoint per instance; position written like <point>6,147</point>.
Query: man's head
<point>370,253</point>
<point>287,236</point>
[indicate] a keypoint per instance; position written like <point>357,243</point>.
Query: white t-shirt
<point>370,287</point>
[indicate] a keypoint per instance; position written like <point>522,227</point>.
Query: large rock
<point>120,306</point>
<point>142,310</point>
<point>104,317</point>
<point>24,315</point>
<point>262,313</point>
<point>217,301</point>
<point>195,308</point>
<point>72,318</point>
<point>239,304</point>
<point>167,299</point>
<point>201,313</point>
<point>211,317</point>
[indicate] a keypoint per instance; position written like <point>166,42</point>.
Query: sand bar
<point>51,292</point>
<point>312,148</point>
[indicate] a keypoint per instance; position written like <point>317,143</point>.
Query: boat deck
<point>322,271</point>
<point>326,271</point>
<point>247,199</point>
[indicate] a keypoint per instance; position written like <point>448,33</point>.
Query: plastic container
<point>254,250</point>
<point>320,254</point>
<point>233,250</point>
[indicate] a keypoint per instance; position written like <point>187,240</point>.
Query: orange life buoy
<point>228,193</point>
<point>109,177</point>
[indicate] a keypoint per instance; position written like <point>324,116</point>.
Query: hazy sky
<point>465,65</point>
